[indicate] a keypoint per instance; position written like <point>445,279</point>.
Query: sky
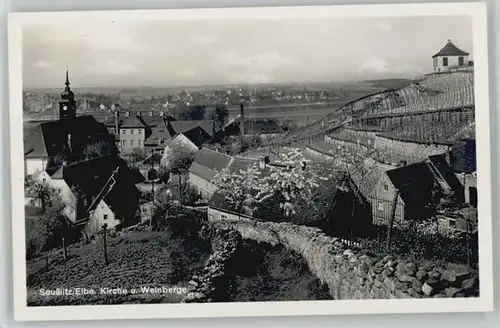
<point>194,53</point>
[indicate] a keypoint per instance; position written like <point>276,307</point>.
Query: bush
<point>190,196</point>
<point>417,242</point>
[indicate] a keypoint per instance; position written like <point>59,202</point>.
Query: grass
<point>153,259</point>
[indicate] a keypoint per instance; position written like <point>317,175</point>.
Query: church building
<point>67,140</point>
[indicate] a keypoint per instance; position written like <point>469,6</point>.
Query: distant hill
<point>391,83</point>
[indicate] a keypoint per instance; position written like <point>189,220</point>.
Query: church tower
<point>67,104</point>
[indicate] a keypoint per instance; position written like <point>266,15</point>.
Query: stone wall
<point>338,142</point>
<point>411,150</point>
<point>351,274</point>
<point>213,283</point>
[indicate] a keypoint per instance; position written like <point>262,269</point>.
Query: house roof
<point>240,163</point>
<point>450,50</point>
<point>262,126</point>
<point>90,177</point>
<point>158,135</point>
<point>198,136</point>
<point>132,122</point>
<point>415,183</point>
<point>176,127</point>
<point>154,121</point>
<point>208,162</point>
<point>49,139</point>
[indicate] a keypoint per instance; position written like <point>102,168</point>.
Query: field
<point>447,126</point>
<point>138,259</point>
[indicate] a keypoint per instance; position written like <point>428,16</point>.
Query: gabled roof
<point>450,50</point>
<point>262,126</point>
<point>208,162</point>
<point>198,136</point>
<point>49,139</point>
<point>240,163</point>
<point>159,134</point>
<point>89,177</point>
<point>132,122</point>
<point>255,125</point>
<point>154,121</point>
<point>176,127</point>
<point>415,183</point>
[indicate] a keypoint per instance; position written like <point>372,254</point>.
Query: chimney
<point>242,121</point>
<point>150,113</point>
<point>161,114</point>
<point>127,114</point>
<point>117,122</point>
<point>138,114</point>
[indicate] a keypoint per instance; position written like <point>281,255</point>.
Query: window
<point>139,131</point>
<point>223,217</point>
<point>105,217</point>
<point>210,217</point>
<point>445,61</point>
<point>386,186</point>
<point>131,143</point>
<point>124,143</point>
<point>460,61</point>
<point>132,131</point>
<point>124,131</point>
<point>452,223</point>
<point>140,143</point>
<point>380,205</point>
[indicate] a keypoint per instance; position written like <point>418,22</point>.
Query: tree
<point>238,188</point>
<point>51,227</point>
<point>220,114</point>
<point>290,182</point>
<point>42,192</point>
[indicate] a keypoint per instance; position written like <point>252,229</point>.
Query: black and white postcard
<point>250,162</point>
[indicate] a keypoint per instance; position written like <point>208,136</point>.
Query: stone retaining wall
<point>410,149</point>
<point>351,274</point>
<point>213,283</point>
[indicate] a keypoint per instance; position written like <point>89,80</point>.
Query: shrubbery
<point>416,242</point>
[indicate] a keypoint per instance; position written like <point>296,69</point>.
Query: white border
<point>151,311</point>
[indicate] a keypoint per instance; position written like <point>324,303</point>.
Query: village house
<point>132,133</point>
<point>413,185</point>
<point>156,134</point>
<point>335,207</point>
<point>182,148</point>
<point>177,127</point>
<point>94,192</point>
<point>71,138</point>
<point>205,166</point>
<point>450,57</point>
<point>253,129</point>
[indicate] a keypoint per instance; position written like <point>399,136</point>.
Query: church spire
<point>67,104</point>
<point>67,80</point>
